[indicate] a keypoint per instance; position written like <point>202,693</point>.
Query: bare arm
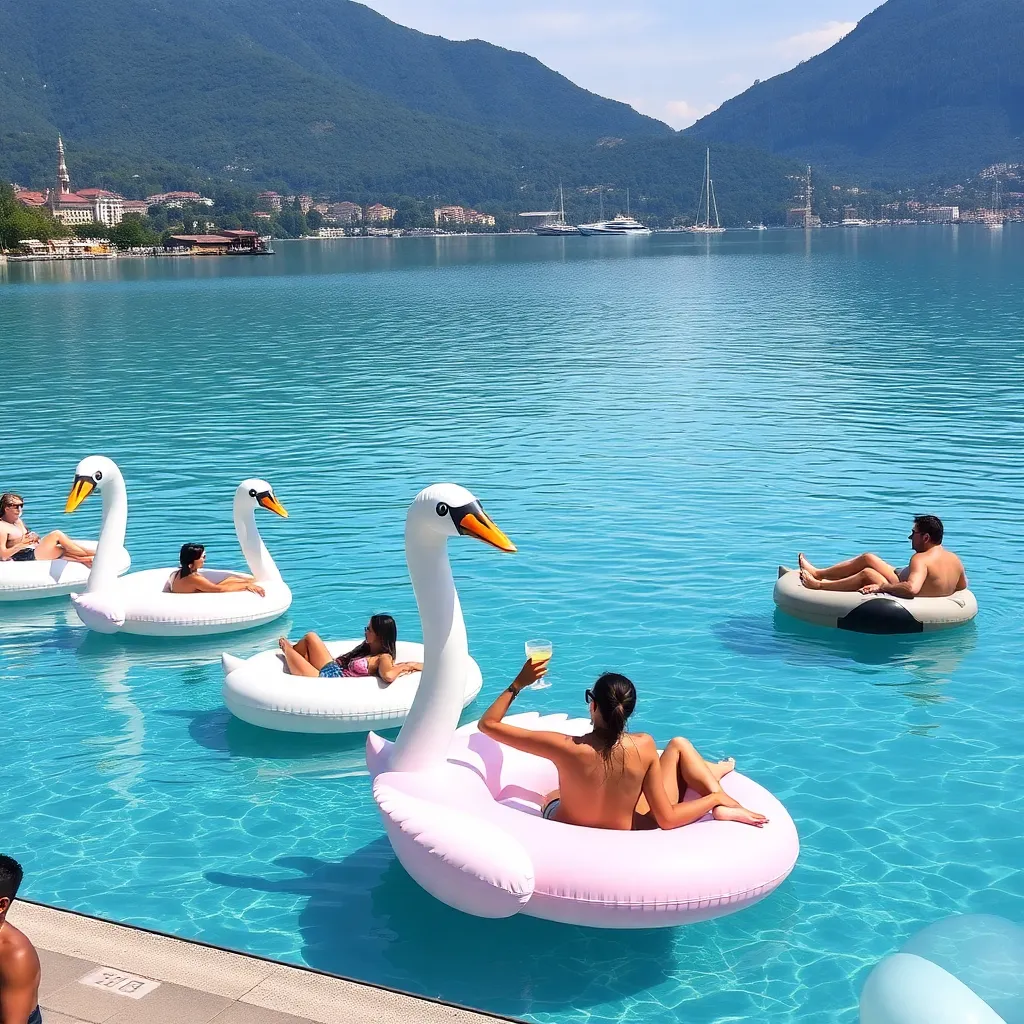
<point>911,587</point>
<point>551,745</point>
<point>667,814</point>
<point>961,584</point>
<point>19,986</point>
<point>9,547</point>
<point>197,583</point>
<point>389,670</point>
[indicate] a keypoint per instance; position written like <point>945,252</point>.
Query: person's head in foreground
<point>191,557</point>
<point>611,700</point>
<point>10,880</point>
<point>11,505</point>
<point>926,533</point>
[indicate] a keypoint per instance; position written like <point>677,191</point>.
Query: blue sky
<point>673,59</point>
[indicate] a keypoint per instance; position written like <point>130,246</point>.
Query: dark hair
<point>932,525</point>
<point>615,697</point>
<point>387,632</point>
<point>10,877</point>
<point>188,554</point>
<point>8,498</point>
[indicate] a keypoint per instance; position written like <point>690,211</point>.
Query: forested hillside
<point>920,89</point>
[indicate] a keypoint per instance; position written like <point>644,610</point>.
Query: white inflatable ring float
<point>138,603</point>
<point>259,691</point>
<point>57,577</point>
<point>871,613</point>
<point>471,833</point>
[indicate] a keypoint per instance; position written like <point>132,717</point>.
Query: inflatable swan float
<point>259,691</point>
<point>138,603</point>
<point>57,577</point>
<point>463,814</point>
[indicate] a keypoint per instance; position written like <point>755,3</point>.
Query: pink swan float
<point>463,815</point>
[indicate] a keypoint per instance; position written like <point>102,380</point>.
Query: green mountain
<point>328,96</point>
<point>920,89</point>
<point>315,92</point>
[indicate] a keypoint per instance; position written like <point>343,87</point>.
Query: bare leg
<point>682,767</point>
<point>60,545</point>
<point>848,585</point>
<point>314,650</point>
<point>852,566</point>
<point>297,664</point>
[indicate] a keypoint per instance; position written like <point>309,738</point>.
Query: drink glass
<point>539,651</point>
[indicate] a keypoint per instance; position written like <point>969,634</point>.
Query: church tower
<point>63,178</point>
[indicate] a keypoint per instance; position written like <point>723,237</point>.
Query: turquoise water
<point>657,424</point>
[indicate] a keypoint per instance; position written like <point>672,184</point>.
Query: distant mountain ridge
<point>308,91</point>
<point>919,88</point>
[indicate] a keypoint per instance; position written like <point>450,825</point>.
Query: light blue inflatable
<point>962,970</point>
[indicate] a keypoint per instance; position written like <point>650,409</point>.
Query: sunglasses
<point>15,505</point>
<point>589,695</point>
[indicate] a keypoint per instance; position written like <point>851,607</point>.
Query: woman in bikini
<point>189,580</point>
<point>375,656</point>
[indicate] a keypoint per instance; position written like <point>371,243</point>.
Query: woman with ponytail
<point>610,778</point>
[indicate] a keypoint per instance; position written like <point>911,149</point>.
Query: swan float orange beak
<point>474,521</point>
<point>80,490</point>
<point>268,501</point>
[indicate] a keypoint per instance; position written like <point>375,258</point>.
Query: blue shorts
<point>332,670</point>
<point>35,1017</point>
<point>24,555</point>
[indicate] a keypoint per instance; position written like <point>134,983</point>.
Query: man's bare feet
<point>806,566</point>
<point>740,814</point>
<point>809,581</point>
<point>721,768</point>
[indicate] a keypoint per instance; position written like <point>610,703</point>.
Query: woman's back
<point>599,787</point>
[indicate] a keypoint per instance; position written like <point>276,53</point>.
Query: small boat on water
<point>622,224</point>
<point>558,228</point>
<point>707,203</point>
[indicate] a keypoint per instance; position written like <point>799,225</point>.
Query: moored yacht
<point>558,227</point>
<point>620,225</point>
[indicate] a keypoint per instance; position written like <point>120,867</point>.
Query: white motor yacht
<point>619,225</point>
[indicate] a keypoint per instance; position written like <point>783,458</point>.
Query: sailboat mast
<point>707,186</point>
<point>561,205</point>
<point>627,200</point>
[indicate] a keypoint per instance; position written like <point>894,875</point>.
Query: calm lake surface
<point>657,423</point>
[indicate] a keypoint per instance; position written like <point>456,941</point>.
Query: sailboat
<point>618,225</point>
<point>707,203</point>
<point>996,217</point>
<point>559,227</point>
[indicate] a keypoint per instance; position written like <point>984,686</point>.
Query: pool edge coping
<point>280,968</point>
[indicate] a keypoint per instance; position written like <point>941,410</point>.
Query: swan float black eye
<point>442,509</point>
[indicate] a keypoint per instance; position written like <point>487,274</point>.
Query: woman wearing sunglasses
<point>19,544</point>
<point>610,778</point>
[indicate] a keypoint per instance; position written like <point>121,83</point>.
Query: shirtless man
<point>933,571</point>
<point>19,962</point>
<point>614,779</point>
<point>19,544</point>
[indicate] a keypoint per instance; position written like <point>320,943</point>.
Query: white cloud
<point>682,113</point>
<point>815,41</point>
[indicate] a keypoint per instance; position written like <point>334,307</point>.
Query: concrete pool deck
<point>97,972</point>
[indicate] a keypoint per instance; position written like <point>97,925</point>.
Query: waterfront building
<point>176,200</point>
<point>226,243</point>
<point>379,213</point>
<point>449,215</point>
<point>941,214</point>
<point>107,207</point>
<point>344,213</point>
<point>331,233</point>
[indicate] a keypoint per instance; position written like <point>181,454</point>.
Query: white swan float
<point>259,691</point>
<point>462,812</point>
<point>137,603</point>
<point>57,577</point>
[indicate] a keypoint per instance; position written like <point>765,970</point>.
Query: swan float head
<point>93,473</point>
<point>448,510</point>
<point>255,493</point>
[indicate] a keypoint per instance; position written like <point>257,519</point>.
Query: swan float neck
<point>436,514</point>
<point>98,472</point>
<point>434,715</point>
<point>257,557</point>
